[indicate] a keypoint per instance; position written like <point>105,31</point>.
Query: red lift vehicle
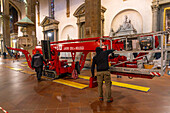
<point>120,64</point>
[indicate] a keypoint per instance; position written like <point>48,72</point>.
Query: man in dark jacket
<point>101,60</point>
<point>37,63</point>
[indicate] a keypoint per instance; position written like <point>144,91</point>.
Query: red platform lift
<point>120,64</point>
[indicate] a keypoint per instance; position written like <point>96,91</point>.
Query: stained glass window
<point>52,9</point>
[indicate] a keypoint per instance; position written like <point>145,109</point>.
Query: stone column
<point>155,25</point>
<point>78,24</point>
<point>31,30</point>
<point>92,23</point>
<point>44,35</point>
<point>6,28</point>
<point>92,18</point>
<point>55,35</point>
<point>31,10</point>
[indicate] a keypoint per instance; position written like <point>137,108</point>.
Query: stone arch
<point>17,9</point>
<point>68,33</point>
<point>80,11</point>
<point>80,15</point>
<point>133,15</point>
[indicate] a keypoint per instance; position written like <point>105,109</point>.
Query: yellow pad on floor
<point>22,65</point>
<point>16,69</point>
<point>70,83</point>
<point>129,86</point>
<point>28,72</point>
<point>8,66</point>
<point>84,77</point>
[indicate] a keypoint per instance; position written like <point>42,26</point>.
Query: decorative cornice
<point>155,7</point>
<point>80,11</point>
<point>48,21</point>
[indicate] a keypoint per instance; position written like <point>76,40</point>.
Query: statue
<point>112,33</point>
<point>126,27</point>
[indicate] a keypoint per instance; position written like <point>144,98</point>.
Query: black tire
<point>77,67</point>
<point>130,77</point>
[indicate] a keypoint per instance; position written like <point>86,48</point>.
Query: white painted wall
<point>60,15</point>
<point>44,11</point>
<point>114,7</point>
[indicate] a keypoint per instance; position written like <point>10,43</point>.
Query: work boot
<point>39,79</point>
<point>110,100</point>
<point>101,98</point>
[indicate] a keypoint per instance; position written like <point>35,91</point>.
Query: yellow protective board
<point>22,65</point>
<point>125,85</point>
<point>28,72</point>
<point>70,83</point>
<point>8,66</point>
<point>16,69</point>
<point>130,86</point>
<point>84,77</point>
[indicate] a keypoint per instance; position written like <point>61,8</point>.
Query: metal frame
<point>138,70</point>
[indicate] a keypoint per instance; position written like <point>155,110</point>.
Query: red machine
<point>56,67</point>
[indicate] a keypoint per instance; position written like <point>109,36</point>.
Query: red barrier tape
<point>3,110</point>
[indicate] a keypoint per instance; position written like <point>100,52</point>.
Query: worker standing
<point>101,60</point>
<point>37,63</point>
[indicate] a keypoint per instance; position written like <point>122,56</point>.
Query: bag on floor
<point>93,82</point>
<point>74,74</point>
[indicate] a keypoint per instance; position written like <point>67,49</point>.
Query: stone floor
<point>22,93</point>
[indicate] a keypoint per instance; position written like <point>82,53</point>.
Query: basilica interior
<point>66,33</point>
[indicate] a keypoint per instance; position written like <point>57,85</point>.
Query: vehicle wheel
<point>130,77</point>
<point>45,73</point>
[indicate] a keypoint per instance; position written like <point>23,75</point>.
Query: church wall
<point>60,15</point>
<point>115,7</point>
<point>143,7</point>
<point>65,22</point>
<point>20,7</point>
<point>44,11</point>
